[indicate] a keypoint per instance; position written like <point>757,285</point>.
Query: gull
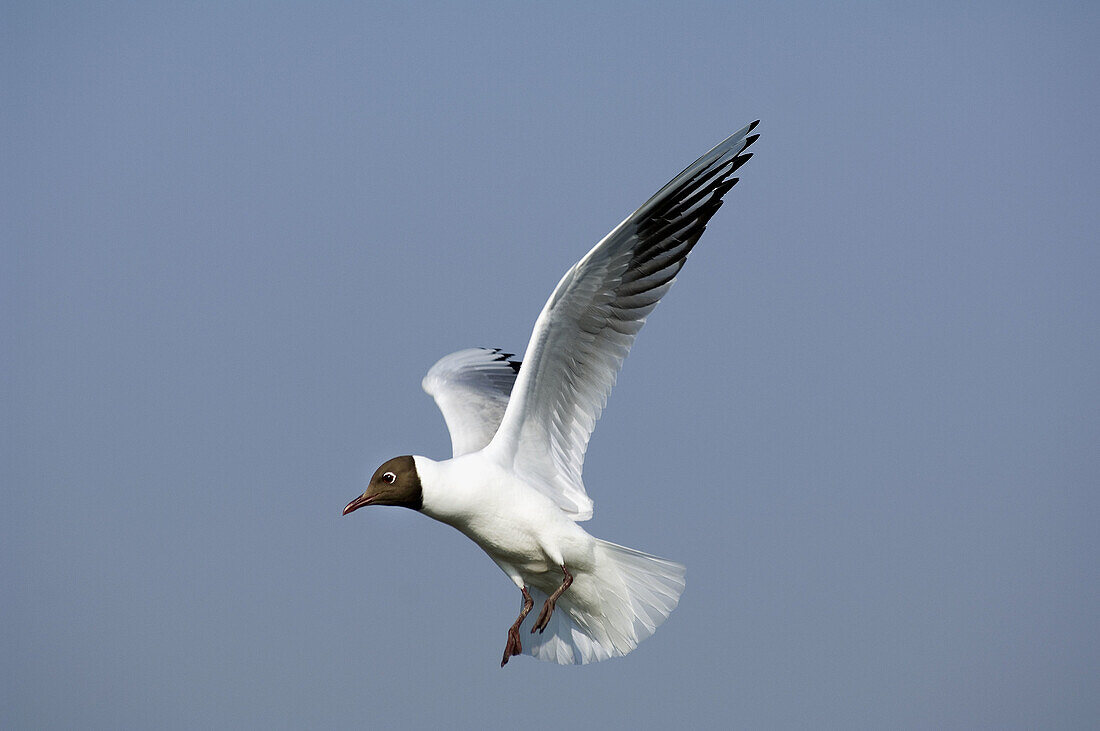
<point>520,429</point>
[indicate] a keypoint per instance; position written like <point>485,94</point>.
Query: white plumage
<point>519,433</point>
<point>471,388</point>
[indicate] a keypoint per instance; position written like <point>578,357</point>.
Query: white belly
<point>519,527</point>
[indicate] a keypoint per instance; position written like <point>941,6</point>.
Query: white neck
<point>450,487</point>
<point>433,486</point>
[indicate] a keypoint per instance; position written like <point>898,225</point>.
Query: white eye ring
<point>389,478</point>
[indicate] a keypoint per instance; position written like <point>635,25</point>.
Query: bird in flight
<point>519,432</point>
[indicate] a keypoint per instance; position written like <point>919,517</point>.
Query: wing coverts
<point>589,323</point>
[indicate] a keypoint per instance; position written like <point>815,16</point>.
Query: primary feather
<point>586,328</point>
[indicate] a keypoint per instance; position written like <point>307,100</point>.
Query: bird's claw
<point>514,647</point>
<point>548,607</point>
<point>544,617</point>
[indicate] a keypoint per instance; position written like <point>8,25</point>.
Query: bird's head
<point>396,482</point>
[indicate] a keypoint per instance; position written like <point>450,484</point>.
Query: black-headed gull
<point>519,433</point>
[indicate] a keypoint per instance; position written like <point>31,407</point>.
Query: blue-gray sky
<point>867,418</point>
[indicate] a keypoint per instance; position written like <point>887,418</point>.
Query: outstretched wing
<point>587,327</point>
<point>471,388</point>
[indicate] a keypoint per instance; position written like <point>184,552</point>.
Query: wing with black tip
<point>589,323</point>
<point>471,388</point>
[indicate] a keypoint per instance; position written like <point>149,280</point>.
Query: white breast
<point>511,521</point>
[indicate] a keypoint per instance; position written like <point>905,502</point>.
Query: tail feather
<point>608,611</point>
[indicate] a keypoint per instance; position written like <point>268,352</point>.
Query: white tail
<point>608,611</point>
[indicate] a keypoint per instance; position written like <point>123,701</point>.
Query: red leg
<point>548,607</point>
<point>514,647</point>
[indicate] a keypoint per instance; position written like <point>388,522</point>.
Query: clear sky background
<point>867,418</point>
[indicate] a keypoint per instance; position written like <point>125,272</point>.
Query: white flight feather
<point>586,328</point>
<point>471,388</point>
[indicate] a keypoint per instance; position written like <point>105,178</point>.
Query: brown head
<point>394,483</point>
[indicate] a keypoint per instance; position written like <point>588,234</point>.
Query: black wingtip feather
<point>505,357</point>
<point>753,125</point>
<point>740,160</point>
<point>724,188</point>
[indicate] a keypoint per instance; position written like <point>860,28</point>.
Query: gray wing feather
<point>471,387</point>
<point>589,323</point>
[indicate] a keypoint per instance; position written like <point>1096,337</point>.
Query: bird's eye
<point>389,478</point>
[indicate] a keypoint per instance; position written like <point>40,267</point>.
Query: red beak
<point>357,503</point>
